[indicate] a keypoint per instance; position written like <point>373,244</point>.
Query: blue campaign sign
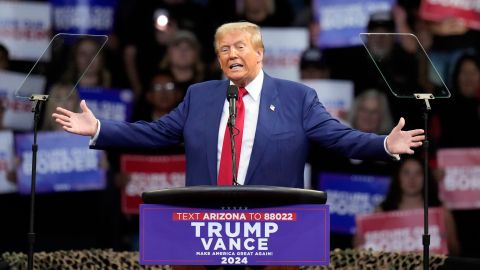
<point>64,163</point>
<point>341,21</point>
<point>108,103</point>
<point>349,195</point>
<point>83,16</point>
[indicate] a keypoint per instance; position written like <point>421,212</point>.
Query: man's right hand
<point>84,123</point>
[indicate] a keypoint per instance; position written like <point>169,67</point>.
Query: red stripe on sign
<point>458,157</point>
<point>147,164</point>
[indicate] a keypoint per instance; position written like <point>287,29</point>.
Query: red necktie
<point>225,171</point>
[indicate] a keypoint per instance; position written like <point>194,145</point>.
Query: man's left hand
<point>402,142</point>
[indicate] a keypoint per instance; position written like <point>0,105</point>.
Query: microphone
<point>232,97</point>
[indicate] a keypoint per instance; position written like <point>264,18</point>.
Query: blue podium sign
<point>287,235</point>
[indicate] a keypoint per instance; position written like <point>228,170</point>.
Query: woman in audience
<point>459,116</point>
<point>406,192</point>
<point>371,112</point>
<point>162,96</point>
<point>183,60</point>
<point>97,74</point>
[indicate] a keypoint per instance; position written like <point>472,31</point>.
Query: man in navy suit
<point>280,119</point>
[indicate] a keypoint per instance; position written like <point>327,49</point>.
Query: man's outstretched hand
<point>401,142</point>
<point>83,123</point>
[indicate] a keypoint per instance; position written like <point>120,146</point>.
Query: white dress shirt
<point>251,102</point>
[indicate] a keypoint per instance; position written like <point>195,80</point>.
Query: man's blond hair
<point>253,29</point>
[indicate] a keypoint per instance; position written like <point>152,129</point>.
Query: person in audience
<point>162,96</point>
<point>406,192</point>
<point>313,64</point>
<point>183,60</point>
<point>371,112</point>
<point>459,117</point>
<point>97,74</point>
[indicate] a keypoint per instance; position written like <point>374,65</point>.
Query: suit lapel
<point>267,117</point>
<point>212,125</point>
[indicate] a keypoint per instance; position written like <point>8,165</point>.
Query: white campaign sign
<point>335,95</point>
<point>18,112</point>
<point>461,184</point>
<point>283,48</point>
<point>25,29</point>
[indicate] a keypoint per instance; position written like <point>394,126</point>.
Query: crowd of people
<point>159,63</point>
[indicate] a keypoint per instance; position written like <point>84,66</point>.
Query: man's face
<point>239,60</point>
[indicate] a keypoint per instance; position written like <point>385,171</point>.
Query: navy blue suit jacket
<point>281,139</point>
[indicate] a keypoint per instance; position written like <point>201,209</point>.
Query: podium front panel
<point>286,235</point>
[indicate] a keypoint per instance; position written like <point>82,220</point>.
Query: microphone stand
<point>39,101</point>
<point>231,128</point>
<point>426,236</point>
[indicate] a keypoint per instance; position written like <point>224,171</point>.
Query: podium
<point>234,225</point>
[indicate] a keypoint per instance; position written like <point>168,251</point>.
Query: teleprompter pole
<point>426,236</point>
<point>39,101</point>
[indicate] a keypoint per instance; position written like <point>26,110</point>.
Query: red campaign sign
<point>401,231</point>
<point>438,10</point>
<point>460,186</point>
<point>148,173</point>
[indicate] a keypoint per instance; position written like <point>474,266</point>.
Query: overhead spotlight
<point>161,19</point>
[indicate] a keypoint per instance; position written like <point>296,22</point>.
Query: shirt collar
<point>254,88</point>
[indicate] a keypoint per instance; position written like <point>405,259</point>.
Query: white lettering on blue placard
<point>61,161</point>
<point>225,236</point>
